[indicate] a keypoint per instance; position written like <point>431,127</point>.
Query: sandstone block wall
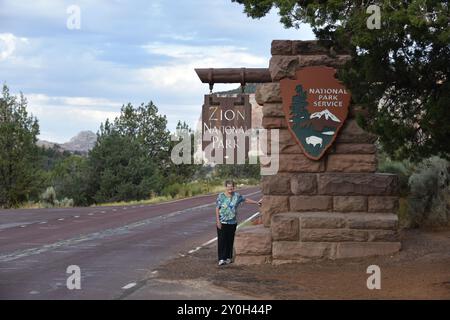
<point>337,207</point>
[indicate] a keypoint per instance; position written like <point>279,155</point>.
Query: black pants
<point>225,241</point>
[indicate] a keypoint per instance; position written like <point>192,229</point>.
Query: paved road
<point>115,247</point>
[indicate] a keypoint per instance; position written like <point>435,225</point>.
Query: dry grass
<point>160,199</point>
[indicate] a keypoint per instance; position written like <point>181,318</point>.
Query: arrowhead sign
<point>315,106</point>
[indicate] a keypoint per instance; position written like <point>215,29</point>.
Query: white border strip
<point>215,239</point>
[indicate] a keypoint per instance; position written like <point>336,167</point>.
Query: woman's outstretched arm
<point>250,201</point>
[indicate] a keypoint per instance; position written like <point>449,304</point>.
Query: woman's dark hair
<point>227,182</point>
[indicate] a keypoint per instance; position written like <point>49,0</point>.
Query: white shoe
<point>222,262</point>
<point>228,261</point>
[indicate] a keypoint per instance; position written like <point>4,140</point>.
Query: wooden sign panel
<point>227,115</point>
<point>315,106</point>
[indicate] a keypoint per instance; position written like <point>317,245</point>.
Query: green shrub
<point>185,191</point>
<point>404,218</point>
<point>172,190</point>
<point>65,203</point>
<point>402,169</point>
<point>48,198</point>
<point>197,188</point>
<point>430,194</point>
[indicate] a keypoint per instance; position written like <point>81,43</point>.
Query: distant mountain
<point>83,142</point>
<point>325,113</point>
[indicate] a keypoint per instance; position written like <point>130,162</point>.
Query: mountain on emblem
<point>327,114</point>
<point>316,106</point>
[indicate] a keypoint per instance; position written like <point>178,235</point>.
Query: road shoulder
<point>420,271</point>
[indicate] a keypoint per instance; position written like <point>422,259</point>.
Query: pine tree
<point>182,172</point>
<point>131,156</point>
<point>299,112</point>
<point>19,174</point>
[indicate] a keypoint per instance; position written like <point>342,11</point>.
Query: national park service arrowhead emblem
<point>315,106</point>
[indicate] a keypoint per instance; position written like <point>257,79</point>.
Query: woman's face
<point>230,188</point>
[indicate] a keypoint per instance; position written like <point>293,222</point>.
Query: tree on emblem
<point>299,112</point>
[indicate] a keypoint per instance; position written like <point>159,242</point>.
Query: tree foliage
<point>183,172</point>
<point>239,171</point>
<point>70,178</point>
<point>145,125</point>
<point>130,156</point>
<point>19,176</point>
<point>399,72</point>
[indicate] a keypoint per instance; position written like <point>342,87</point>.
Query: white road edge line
<point>129,286</point>
<point>215,239</point>
<point>209,242</point>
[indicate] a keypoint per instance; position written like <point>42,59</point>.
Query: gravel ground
<point>420,271</point>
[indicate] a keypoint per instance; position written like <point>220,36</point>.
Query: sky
<point>76,73</point>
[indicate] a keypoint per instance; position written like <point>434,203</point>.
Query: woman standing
<point>226,221</point>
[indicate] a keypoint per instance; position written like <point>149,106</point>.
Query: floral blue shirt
<point>228,207</point>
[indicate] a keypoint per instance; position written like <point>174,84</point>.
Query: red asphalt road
<point>113,246</point>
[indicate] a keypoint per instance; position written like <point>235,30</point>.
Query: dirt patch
<point>420,271</point>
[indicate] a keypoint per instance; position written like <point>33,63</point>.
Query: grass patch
<point>153,200</point>
<point>30,205</point>
<point>182,195</point>
<point>173,192</point>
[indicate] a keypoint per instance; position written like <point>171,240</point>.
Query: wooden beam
<point>234,75</point>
